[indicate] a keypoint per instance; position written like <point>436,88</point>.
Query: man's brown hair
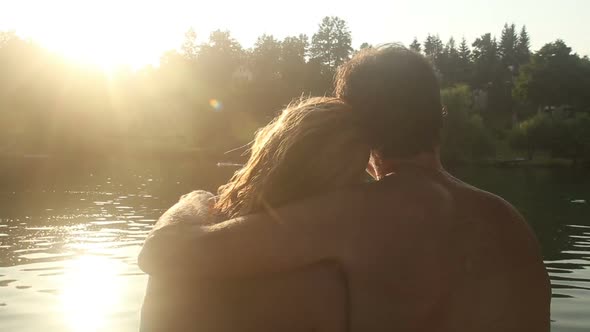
<point>396,96</point>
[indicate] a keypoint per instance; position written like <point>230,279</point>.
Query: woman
<point>312,147</point>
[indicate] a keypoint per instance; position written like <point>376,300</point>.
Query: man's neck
<point>428,161</point>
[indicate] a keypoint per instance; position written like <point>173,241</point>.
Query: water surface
<point>69,239</point>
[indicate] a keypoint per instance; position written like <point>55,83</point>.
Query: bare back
<point>421,251</point>
<point>434,254</point>
<point>313,297</point>
<point>309,299</point>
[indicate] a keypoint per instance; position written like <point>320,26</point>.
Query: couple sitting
<point>311,245</point>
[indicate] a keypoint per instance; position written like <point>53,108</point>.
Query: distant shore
<point>526,163</point>
<point>235,159</point>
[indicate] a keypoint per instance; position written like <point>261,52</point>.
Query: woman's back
<point>313,147</point>
<point>314,298</point>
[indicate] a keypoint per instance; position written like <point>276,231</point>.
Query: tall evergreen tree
<point>523,47</point>
<point>510,67</point>
<point>331,44</point>
<point>487,74</point>
<point>266,57</point>
<point>416,46</point>
<point>464,71</point>
<point>449,63</point>
<point>219,58</point>
<point>485,59</point>
<point>434,51</point>
<point>433,47</point>
<point>451,48</point>
<point>294,49</point>
<point>464,52</point>
<point>508,45</point>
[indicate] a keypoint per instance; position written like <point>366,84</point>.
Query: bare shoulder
<point>493,207</point>
<point>330,207</point>
<point>500,218</point>
<point>326,213</point>
<point>506,266</point>
<point>412,200</point>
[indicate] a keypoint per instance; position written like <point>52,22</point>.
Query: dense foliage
<point>213,95</point>
<point>562,135</point>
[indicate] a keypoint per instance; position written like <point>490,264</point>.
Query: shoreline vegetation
<point>222,160</point>
<point>507,105</point>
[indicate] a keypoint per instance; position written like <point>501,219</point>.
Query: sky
<point>136,33</point>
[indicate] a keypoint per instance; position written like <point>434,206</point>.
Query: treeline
<point>213,95</point>
<point>504,100</point>
<point>501,95</point>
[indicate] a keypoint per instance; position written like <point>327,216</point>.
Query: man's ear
<point>374,166</point>
<point>371,170</point>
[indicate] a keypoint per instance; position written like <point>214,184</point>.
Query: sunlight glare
<point>107,34</point>
<point>91,292</point>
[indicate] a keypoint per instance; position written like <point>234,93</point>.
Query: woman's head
<point>313,146</point>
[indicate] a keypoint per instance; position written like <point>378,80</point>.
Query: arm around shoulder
<point>292,236</point>
<point>179,223</point>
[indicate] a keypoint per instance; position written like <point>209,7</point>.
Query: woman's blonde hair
<point>313,146</point>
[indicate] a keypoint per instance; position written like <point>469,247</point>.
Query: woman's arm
<point>299,234</point>
<point>182,220</point>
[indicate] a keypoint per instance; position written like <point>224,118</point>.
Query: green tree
<point>554,77</point>
<point>189,48</point>
<point>488,75</point>
<point>562,135</point>
<point>433,47</point>
<point>576,137</point>
<point>464,71</point>
<point>533,135</point>
<point>331,44</point>
<point>465,137</point>
<point>510,65</point>
<point>464,51</point>
<point>523,47</point>
<point>266,58</point>
<point>508,46</point>
<point>365,45</point>
<point>486,61</point>
<point>221,43</point>
<point>177,78</point>
<point>294,49</point>
<point>220,56</point>
<point>416,46</point>
<point>450,63</point>
<point>434,51</point>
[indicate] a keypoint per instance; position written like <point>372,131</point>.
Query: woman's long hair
<point>313,146</point>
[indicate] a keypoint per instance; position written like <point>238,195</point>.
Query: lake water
<point>69,238</point>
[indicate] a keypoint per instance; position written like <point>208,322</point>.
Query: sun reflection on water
<point>91,292</point>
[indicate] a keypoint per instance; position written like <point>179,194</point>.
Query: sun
<point>103,53</point>
<point>103,46</point>
<point>105,34</point>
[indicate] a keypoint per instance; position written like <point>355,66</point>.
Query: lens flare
<point>216,104</point>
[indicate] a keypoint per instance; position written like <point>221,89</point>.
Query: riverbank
<point>15,160</point>
<point>533,163</point>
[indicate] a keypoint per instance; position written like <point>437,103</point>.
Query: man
<point>420,250</point>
